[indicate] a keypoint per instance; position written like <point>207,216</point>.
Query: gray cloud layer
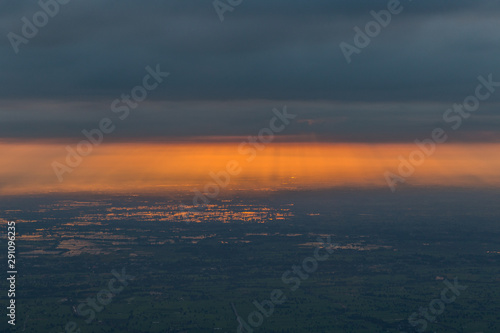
<point>264,54</point>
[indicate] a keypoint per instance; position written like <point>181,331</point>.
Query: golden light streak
<point>27,168</point>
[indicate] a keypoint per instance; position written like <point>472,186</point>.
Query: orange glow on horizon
<point>27,168</point>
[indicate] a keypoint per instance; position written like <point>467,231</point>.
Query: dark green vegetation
<point>393,252</point>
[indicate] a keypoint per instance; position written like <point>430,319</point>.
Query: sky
<point>226,77</point>
<point>201,76</point>
<point>185,167</point>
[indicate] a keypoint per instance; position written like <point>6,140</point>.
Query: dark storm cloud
<point>280,51</point>
<point>181,121</point>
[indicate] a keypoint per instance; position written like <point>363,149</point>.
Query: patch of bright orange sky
<point>26,168</point>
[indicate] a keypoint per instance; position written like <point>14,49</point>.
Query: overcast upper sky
<point>226,77</point>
